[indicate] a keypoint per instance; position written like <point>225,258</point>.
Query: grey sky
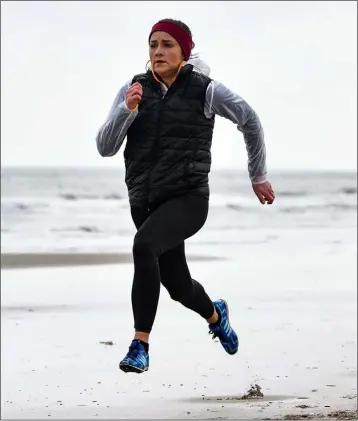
<point>294,62</point>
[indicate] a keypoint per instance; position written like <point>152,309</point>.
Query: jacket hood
<point>199,66</point>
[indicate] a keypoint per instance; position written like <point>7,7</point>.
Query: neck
<point>169,79</point>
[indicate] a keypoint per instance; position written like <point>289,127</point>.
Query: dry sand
<point>298,342</point>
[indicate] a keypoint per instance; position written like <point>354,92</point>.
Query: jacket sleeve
<point>225,103</point>
<point>112,133</point>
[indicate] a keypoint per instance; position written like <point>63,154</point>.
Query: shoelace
<point>216,332</point>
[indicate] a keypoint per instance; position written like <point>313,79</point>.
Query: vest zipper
<point>156,146</point>
<point>156,149</point>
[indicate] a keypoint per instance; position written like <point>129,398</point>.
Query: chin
<point>161,69</point>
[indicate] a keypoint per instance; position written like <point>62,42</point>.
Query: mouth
<point>160,62</point>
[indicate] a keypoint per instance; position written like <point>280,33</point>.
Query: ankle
<point>145,345</point>
<point>215,318</point>
<point>142,336</point>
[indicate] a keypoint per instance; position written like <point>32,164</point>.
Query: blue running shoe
<point>224,331</point>
<point>137,360</point>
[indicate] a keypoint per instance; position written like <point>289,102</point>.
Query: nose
<point>158,51</point>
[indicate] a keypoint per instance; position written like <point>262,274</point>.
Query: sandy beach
<point>65,328</point>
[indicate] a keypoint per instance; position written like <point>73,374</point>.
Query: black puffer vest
<point>168,145</point>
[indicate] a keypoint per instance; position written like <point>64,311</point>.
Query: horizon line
<point>111,167</point>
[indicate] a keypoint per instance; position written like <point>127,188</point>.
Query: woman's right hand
<point>134,95</point>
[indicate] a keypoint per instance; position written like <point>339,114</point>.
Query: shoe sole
<point>131,369</point>
<point>228,318</point>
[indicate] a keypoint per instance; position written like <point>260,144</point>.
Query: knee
<point>180,292</point>
<point>142,247</point>
<point>177,295</point>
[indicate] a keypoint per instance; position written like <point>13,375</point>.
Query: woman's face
<point>165,54</point>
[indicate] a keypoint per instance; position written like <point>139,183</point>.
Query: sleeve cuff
<point>124,106</point>
<point>259,179</point>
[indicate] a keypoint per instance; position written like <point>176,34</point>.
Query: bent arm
<point>225,103</point>
<point>112,133</point>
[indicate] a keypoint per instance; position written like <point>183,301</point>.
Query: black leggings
<point>159,257</point>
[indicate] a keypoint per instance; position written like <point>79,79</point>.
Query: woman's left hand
<point>264,192</point>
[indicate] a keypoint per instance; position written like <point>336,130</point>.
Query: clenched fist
<point>134,95</point>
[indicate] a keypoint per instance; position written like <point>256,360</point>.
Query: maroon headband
<point>181,35</point>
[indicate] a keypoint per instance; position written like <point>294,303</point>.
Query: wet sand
<point>297,330</point>
<point>34,260</point>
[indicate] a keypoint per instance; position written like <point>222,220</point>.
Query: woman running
<point>168,116</point>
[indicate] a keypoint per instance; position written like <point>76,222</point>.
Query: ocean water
<point>87,210</point>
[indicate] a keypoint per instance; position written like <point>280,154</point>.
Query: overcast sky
<point>294,62</point>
